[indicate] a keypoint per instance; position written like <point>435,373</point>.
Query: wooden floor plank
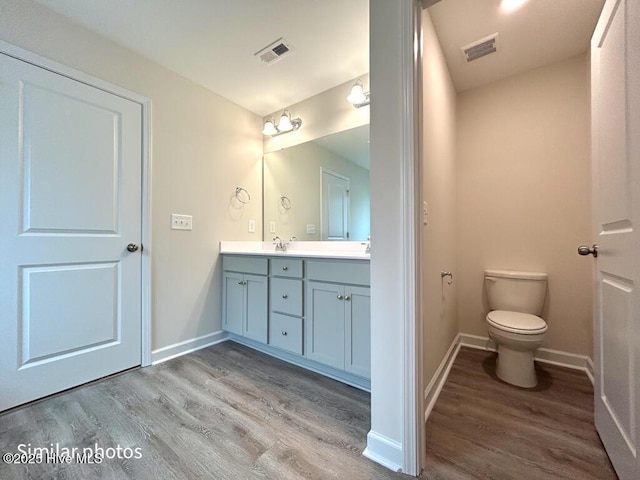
<point>483,428</point>
<point>229,412</point>
<point>226,412</point>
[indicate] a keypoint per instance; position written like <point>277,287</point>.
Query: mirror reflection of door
<point>335,206</point>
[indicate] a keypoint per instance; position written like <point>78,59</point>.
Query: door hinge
<point>347,234</point>
<point>348,192</point>
<point>141,248</point>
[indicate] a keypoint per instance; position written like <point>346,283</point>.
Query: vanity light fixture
<point>286,124</point>
<point>358,97</point>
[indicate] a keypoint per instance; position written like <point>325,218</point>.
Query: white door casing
<point>70,198</point>
<point>615,101</point>
<point>335,205</point>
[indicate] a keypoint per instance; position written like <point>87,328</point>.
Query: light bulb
<point>511,5</point>
<point>357,95</point>
<point>284,125</point>
<point>269,128</point>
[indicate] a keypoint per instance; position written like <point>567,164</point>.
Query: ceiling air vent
<point>274,52</point>
<point>480,48</point>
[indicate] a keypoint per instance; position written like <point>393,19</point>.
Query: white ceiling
<point>538,33</point>
<point>213,42</point>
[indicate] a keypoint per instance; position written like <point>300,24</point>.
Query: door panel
<point>324,323</point>
<point>70,200</point>
<point>233,315</point>
<point>335,206</point>
<point>358,331</point>
<point>84,173</point>
<point>71,300</point>
<point>256,292</point>
<point>615,105</point>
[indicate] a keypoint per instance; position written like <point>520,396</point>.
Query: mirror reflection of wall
<point>293,198</point>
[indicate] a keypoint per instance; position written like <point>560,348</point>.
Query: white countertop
<point>341,250</point>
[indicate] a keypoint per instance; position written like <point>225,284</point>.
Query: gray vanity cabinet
<point>338,316</point>
<point>311,312</point>
<point>245,297</point>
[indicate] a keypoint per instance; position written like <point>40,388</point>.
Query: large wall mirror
<point>319,190</point>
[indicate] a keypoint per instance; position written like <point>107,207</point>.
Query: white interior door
<point>615,74</point>
<point>335,206</point>
<point>70,202</point>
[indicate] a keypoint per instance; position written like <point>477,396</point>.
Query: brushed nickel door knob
<point>585,250</point>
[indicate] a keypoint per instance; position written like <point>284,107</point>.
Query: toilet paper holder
<point>447,274</point>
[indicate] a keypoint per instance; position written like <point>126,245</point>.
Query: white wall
<point>524,194</point>
<point>295,172</point>
<point>440,308</point>
<point>392,438</point>
<point>203,147</point>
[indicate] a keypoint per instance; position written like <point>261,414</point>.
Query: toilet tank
<point>514,291</point>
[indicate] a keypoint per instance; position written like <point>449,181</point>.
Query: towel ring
<point>285,202</point>
<point>242,197</point>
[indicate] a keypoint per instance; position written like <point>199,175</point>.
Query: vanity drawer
<point>285,333</point>
<point>286,267</point>
<point>285,295</point>
<point>234,263</point>
<point>354,272</point>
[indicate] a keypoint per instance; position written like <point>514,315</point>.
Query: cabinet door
<point>357,325</point>
<point>233,302</point>
<point>255,324</point>
<point>324,331</point>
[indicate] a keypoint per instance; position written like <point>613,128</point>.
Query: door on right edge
<point>615,105</point>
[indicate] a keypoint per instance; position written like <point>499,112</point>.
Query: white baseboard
<point>544,355</point>
<point>432,392</point>
<point>385,451</point>
<point>182,348</point>
<point>590,370</point>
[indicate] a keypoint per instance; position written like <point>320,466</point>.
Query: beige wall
<point>524,194</point>
<point>203,147</point>
<point>295,172</point>
<point>440,319</point>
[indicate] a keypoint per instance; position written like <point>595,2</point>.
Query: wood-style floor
<point>483,428</point>
<point>226,412</point>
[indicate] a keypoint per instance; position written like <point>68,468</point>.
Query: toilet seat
<point>516,322</point>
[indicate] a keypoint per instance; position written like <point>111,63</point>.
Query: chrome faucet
<point>368,244</point>
<point>281,246</point>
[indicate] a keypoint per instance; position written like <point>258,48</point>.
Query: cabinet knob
<point>284,333</point>
<point>285,296</point>
<point>340,297</point>
<point>285,268</point>
<point>347,298</point>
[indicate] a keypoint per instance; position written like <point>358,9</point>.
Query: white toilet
<point>516,300</point>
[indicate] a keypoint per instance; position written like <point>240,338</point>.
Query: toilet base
<point>516,367</point>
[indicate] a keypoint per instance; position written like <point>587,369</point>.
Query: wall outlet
<point>252,226</point>
<point>272,227</point>
<point>311,229</point>
<point>181,222</point>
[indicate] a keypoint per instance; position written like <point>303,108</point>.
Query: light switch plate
<point>252,226</point>
<point>272,227</point>
<point>181,222</point>
<point>311,229</point>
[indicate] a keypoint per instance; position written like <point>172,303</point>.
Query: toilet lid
<point>516,322</point>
